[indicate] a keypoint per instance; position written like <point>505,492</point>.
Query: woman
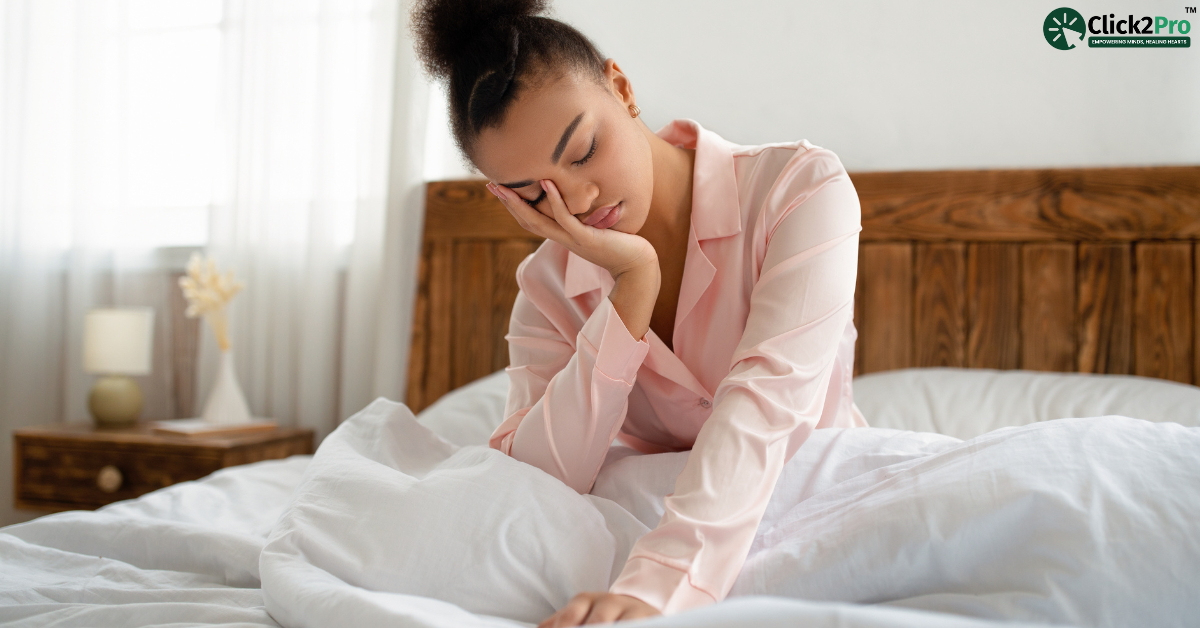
<point>691,293</point>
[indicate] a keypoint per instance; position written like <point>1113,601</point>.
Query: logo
<point>1065,29</point>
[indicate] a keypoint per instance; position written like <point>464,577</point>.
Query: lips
<point>599,215</point>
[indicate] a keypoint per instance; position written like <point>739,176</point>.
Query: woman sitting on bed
<point>691,293</point>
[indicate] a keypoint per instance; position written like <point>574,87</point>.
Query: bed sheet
<point>1084,521</point>
<point>189,554</point>
<point>184,555</point>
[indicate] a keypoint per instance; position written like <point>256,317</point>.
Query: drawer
<point>72,475</point>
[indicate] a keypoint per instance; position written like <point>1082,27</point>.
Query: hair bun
<point>451,33</point>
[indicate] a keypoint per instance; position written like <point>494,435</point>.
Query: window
<point>168,106</point>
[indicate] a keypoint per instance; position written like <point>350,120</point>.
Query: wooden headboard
<point>1080,270</point>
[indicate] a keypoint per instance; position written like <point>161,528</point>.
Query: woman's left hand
<point>599,608</point>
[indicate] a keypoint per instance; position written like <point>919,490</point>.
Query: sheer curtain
<point>305,180</point>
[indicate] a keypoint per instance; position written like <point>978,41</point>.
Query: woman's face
<point>581,137</point>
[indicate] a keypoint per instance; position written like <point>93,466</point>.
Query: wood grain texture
<point>57,465</point>
<point>509,255</point>
<point>465,210</point>
<point>1110,204</point>
<point>441,306</point>
<point>939,300</point>
<point>982,268</point>
<point>1105,315</point>
<point>418,354</point>
<point>1048,306</point>
<point>993,305</point>
<point>885,306</point>
<point>1163,301</point>
<point>472,311</point>
<point>470,252</point>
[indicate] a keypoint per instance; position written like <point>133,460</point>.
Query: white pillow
<point>965,403</point>
<point>958,402</point>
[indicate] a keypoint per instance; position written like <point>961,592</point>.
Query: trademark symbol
<point>1189,9</point>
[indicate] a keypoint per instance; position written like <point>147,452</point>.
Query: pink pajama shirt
<point>763,354</point>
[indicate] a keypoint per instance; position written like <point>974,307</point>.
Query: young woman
<point>691,293</point>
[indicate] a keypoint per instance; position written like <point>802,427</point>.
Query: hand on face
<point>615,251</point>
<point>599,608</point>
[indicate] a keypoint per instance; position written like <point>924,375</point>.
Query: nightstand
<point>78,466</point>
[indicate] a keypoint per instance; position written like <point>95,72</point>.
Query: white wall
<point>904,86</point>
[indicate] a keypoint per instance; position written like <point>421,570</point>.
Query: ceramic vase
<point>226,404</point>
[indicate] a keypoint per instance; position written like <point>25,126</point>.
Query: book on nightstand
<point>200,427</point>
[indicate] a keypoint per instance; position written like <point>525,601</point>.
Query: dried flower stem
<point>208,293</point>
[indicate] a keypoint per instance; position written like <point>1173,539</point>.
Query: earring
<point>634,111</point>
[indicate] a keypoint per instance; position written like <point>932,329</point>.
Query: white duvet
<point>1078,521</point>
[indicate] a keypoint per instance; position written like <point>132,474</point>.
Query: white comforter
<point>1080,521</point>
<point>184,555</point>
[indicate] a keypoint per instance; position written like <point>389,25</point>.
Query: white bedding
<point>184,555</point>
<point>1088,522</point>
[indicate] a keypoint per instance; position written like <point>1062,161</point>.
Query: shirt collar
<point>716,211</point>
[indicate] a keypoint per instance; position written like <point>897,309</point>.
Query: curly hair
<point>489,51</point>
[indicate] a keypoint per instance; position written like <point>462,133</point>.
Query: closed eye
<point>535,201</point>
<point>591,151</point>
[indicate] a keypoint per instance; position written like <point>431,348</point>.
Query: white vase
<point>226,404</point>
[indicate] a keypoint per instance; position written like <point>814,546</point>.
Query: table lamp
<point>117,343</point>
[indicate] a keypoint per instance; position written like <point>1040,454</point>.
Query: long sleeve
<point>771,400</point>
<point>567,400</point>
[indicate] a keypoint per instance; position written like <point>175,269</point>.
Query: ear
<point>618,83</point>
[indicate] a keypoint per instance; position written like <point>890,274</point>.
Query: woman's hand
<point>599,608</point>
<point>629,258</point>
<point>615,251</point>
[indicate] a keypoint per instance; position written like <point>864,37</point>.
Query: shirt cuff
<point>666,588</point>
<point>618,355</point>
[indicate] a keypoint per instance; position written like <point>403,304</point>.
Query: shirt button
<point>704,403</point>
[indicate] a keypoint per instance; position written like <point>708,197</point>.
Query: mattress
<point>975,497</point>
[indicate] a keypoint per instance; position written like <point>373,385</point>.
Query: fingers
<point>529,218</point>
<point>563,215</point>
<point>606,610</point>
<point>630,614</point>
<point>598,608</point>
<point>574,612</point>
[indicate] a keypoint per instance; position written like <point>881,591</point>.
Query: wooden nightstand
<point>78,466</point>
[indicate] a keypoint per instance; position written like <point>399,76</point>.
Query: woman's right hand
<point>629,258</point>
<point>615,251</point>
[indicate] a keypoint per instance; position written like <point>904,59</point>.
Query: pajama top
<point>763,354</point>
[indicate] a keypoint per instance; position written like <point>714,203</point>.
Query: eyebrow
<point>558,150</point>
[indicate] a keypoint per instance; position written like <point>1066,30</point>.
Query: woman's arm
<point>567,400</point>
<point>799,309</point>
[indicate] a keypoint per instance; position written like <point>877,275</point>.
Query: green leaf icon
<point>1064,28</point>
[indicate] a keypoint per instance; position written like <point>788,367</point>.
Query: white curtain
<point>309,189</point>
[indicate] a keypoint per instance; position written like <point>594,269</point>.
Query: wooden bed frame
<point>1078,270</point>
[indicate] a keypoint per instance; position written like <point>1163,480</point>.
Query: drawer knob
<point>109,479</point>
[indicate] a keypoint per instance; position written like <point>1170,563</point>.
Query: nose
<point>580,197</point>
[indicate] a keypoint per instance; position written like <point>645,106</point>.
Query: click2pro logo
<point>1066,29</point>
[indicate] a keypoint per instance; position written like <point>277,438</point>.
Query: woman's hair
<point>488,51</point>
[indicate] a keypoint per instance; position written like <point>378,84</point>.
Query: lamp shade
<point>118,341</point>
